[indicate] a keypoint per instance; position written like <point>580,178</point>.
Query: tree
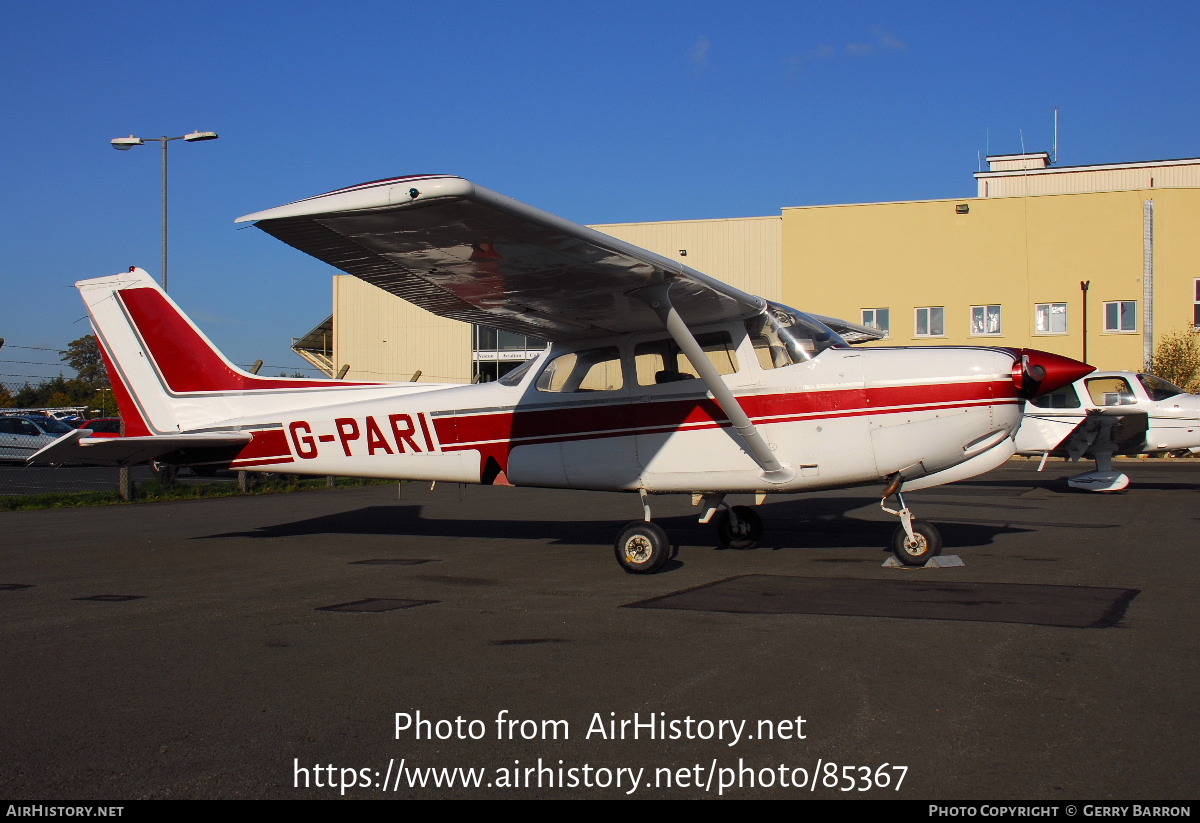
<point>6,398</point>
<point>1177,359</point>
<point>83,355</point>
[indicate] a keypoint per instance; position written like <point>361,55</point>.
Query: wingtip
<point>392,191</point>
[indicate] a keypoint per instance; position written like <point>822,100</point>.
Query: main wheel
<point>917,552</point>
<point>746,534</point>
<point>165,472</point>
<point>642,548</point>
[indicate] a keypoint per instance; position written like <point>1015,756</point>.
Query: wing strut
<point>773,471</point>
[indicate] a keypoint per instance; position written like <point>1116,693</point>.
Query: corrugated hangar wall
<point>382,337</point>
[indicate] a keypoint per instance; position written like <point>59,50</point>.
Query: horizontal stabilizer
<point>78,447</point>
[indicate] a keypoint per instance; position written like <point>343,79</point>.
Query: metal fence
<point>22,480</point>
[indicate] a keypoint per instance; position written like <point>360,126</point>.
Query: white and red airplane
<point>658,379</point>
<point>1106,414</point>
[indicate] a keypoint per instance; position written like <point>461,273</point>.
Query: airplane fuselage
<point>846,417</point>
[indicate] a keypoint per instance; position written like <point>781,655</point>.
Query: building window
<point>985,320</point>
<point>931,321</point>
<point>1050,318</point>
<point>881,319</point>
<point>495,353</point>
<point>1196,303</point>
<point>1120,316</point>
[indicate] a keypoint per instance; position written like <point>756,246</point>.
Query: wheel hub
<point>637,549</point>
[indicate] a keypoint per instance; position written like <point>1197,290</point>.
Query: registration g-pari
<point>658,379</point>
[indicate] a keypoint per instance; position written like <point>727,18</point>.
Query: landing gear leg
<point>738,527</point>
<point>914,542</point>
<point>643,547</point>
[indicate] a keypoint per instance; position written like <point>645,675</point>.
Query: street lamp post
<point>127,143</point>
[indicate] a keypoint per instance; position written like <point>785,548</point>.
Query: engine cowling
<point>1038,372</point>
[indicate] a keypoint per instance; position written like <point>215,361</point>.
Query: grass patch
<point>154,491</point>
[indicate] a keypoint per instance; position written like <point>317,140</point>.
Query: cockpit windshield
<point>792,333</point>
<point>1159,389</point>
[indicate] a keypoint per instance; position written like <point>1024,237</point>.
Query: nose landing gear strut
<point>915,541</point>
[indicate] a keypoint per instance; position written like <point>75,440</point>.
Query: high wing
<point>465,252</point>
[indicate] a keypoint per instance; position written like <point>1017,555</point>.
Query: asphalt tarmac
<point>262,647</point>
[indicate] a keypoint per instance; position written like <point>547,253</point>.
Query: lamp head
<point>127,143</point>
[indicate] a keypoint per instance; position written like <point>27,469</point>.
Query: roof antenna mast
<point>1054,152</point>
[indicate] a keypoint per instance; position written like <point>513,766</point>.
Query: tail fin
<point>167,376</point>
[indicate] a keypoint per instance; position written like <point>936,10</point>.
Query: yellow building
<point>1013,269</point>
<point>1014,266</point>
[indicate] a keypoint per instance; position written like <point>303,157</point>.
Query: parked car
<point>23,435</point>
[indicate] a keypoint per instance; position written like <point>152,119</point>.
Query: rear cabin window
<point>661,361</point>
<point>583,371</point>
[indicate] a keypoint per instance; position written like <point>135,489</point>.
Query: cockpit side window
<point>1110,391</point>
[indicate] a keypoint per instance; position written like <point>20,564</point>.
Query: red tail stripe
<point>186,360</point>
<point>135,424</point>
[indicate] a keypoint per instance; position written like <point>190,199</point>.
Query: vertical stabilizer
<point>166,374</point>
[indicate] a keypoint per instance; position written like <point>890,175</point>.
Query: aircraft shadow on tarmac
<point>815,523</point>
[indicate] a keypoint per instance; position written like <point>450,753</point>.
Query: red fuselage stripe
<point>458,432</point>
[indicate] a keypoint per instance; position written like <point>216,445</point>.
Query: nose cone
<point>1040,372</point>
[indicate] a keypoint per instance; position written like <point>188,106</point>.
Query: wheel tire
<point>929,544</point>
<point>748,533</point>
<point>642,548</point>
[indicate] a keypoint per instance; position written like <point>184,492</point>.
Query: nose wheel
<point>925,542</point>
<point>915,541</point>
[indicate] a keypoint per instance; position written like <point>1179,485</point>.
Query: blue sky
<point>608,112</point>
